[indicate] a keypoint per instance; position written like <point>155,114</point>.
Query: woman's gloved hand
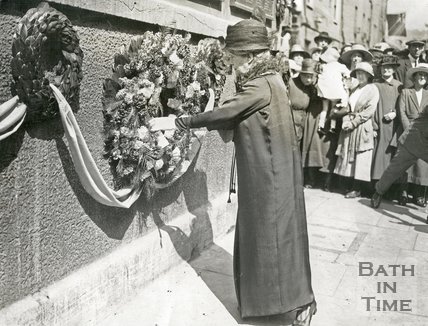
<point>162,123</point>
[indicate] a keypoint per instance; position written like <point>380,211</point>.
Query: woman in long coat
<point>384,124</point>
<point>355,145</point>
<point>412,102</point>
<point>271,254</point>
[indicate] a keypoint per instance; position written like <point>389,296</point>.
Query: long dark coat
<point>271,254</point>
<point>384,150</point>
<point>409,111</point>
<point>299,98</point>
<point>318,150</point>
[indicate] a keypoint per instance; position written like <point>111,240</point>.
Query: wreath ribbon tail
<point>89,174</point>
<point>12,115</point>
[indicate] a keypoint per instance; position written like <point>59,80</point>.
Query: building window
<point>310,3</point>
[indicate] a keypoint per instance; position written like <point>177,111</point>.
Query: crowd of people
<point>351,106</point>
<point>349,113</point>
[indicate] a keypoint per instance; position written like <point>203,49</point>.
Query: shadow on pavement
<point>401,210</point>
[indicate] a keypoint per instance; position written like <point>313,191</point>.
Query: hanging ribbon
<point>12,115</point>
<point>89,175</point>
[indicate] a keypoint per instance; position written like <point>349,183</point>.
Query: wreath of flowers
<point>157,75</point>
<point>45,49</point>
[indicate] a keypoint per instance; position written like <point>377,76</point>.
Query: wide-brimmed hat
<point>296,48</point>
<point>309,66</point>
<point>323,35</point>
<point>422,67</point>
<point>346,57</point>
<point>330,55</point>
<point>388,60</point>
<point>247,35</point>
<point>363,66</point>
<point>411,42</point>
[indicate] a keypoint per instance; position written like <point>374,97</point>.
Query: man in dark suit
<point>410,59</point>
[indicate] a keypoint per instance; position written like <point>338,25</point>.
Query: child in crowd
<point>331,86</point>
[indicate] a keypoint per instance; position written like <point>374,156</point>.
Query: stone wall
<point>49,226</point>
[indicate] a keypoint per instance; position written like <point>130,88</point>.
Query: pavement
<point>369,267</point>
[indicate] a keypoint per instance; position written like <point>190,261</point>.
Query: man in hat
<point>411,58</point>
<point>322,40</point>
<point>271,254</point>
<point>413,143</point>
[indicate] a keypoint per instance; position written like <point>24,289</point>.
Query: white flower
<point>192,88</point>
<point>143,133</point>
<point>128,98</point>
<point>138,144</point>
<point>176,152</point>
<point>158,164</point>
<point>196,86</point>
<point>147,88</point>
<point>173,103</point>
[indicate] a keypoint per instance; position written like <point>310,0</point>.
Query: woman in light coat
<point>355,145</point>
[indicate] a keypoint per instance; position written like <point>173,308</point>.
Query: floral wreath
<point>159,74</point>
<point>45,49</point>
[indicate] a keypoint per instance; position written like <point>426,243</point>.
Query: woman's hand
<point>390,116</point>
<point>347,126</point>
<point>163,123</point>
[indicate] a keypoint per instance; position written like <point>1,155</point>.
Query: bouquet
<point>159,74</point>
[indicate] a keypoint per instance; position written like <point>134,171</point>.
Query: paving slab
<point>343,234</point>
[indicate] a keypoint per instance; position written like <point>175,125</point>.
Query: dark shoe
<point>420,201</point>
<point>402,199</point>
<point>307,311</point>
<point>353,194</point>
<point>376,199</point>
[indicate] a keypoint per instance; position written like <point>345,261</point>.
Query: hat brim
<point>415,42</point>
<point>328,39</point>
<point>354,72</point>
<point>308,72</point>
<point>412,71</point>
<point>305,54</point>
<point>346,57</point>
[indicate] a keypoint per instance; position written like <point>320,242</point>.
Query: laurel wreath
<point>45,49</point>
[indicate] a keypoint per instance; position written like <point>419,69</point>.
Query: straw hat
<point>323,35</point>
<point>309,66</point>
<point>330,55</point>
<point>247,35</point>
<point>363,66</point>
<point>346,57</point>
<point>296,48</point>
<point>422,67</point>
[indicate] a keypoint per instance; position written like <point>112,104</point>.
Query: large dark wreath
<point>45,50</point>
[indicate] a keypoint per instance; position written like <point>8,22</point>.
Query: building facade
<point>346,21</point>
